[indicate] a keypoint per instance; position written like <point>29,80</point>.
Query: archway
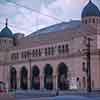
<point>63,83</point>
<point>48,77</point>
<point>35,77</point>
<point>24,77</point>
<point>13,78</point>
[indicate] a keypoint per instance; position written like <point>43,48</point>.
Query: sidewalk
<point>80,92</point>
<point>7,97</point>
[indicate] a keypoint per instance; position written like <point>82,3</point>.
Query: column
<point>41,80</point>
<point>8,77</point>
<point>55,78</point>
<point>55,82</point>
<point>18,80</point>
<point>28,80</point>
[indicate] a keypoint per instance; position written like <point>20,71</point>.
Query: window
<point>15,56</point>
<point>93,20</point>
<point>59,49</point>
<point>39,52</point>
<point>89,20</point>
<point>36,52</point>
<point>4,41</point>
<point>83,67</point>
<point>52,51</point>
<point>24,55</point>
<point>67,48</point>
<point>28,54</point>
<point>63,49</point>
<point>33,53</point>
<point>85,21</point>
<point>84,82</point>
<point>46,53</point>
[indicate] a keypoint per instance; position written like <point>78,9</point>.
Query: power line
<point>34,10</point>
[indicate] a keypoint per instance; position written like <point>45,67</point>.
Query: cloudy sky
<point>26,16</point>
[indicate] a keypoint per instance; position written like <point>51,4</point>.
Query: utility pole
<point>30,73</point>
<point>89,89</point>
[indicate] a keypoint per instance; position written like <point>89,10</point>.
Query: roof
<point>56,28</point>
<point>6,32</point>
<point>90,10</point>
<point>46,37</point>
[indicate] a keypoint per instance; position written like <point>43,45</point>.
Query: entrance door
<point>13,79</point>
<point>24,77</point>
<point>35,78</point>
<point>63,83</point>
<point>48,77</point>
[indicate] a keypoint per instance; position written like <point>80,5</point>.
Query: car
<point>2,87</point>
<point>69,97</point>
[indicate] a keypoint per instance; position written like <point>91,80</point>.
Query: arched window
<point>83,67</point>
<point>40,52</point>
<point>84,82</point>
<point>67,48</point>
<point>46,51</point>
<point>63,48</point>
<point>86,21</point>
<point>93,20</point>
<point>59,49</point>
<point>78,82</point>
<point>33,53</point>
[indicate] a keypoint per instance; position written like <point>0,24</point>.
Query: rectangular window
<point>46,53</point>
<point>14,56</point>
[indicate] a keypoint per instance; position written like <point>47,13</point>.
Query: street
<point>47,95</point>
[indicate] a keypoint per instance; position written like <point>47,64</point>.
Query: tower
<point>6,37</point>
<point>91,15</point>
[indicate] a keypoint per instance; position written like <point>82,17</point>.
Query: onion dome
<point>6,32</point>
<point>90,10</point>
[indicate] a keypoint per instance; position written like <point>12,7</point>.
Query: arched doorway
<point>35,77</point>
<point>23,78</point>
<point>63,83</point>
<point>48,77</point>
<point>13,78</point>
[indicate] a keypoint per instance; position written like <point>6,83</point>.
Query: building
<point>53,57</point>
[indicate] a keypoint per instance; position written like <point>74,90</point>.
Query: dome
<point>6,32</point>
<point>90,10</point>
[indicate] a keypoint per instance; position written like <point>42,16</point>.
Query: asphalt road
<point>47,95</point>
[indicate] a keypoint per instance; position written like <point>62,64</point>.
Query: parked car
<point>2,87</point>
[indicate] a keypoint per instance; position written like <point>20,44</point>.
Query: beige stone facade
<point>54,59</point>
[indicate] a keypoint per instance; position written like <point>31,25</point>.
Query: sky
<point>27,16</point>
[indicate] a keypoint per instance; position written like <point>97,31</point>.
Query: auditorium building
<point>54,57</point>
